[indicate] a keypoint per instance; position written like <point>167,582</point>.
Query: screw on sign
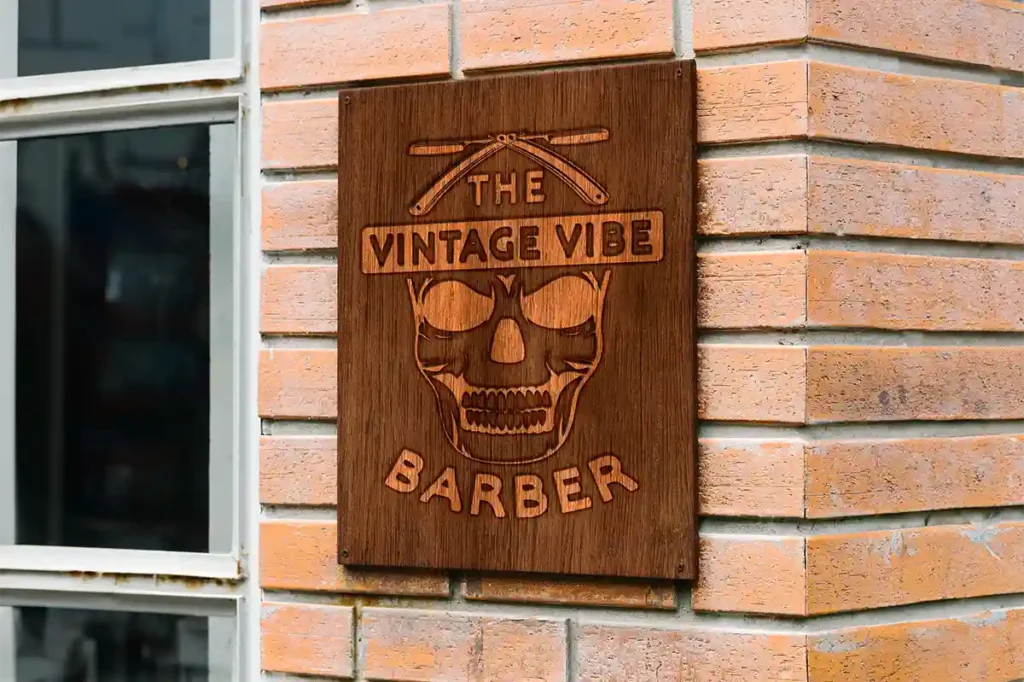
<point>516,323</point>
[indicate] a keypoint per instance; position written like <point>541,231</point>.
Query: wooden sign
<point>516,333</point>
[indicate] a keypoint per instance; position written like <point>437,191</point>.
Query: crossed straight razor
<point>584,185</point>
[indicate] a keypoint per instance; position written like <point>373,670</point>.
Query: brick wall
<point>861,300</point>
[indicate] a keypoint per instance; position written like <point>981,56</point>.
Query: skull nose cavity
<point>507,346</point>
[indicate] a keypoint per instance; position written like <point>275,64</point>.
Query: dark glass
<point>73,645</point>
<point>57,36</point>
<point>112,340</point>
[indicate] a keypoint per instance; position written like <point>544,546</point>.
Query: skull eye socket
<point>452,306</point>
<point>562,304</point>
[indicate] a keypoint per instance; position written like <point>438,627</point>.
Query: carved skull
<point>507,355</point>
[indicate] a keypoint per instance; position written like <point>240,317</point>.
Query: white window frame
<point>225,64</point>
<point>221,583</point>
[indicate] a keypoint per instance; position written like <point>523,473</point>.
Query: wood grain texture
<point>982,647</point>
<point>635,653</point>
<point>860,478</point>
<point>482,413</point>
<point>886,384</point>
<point>920,203</point>
<point>558,590</point>
<point>861,105</point>
<point>885,568</point>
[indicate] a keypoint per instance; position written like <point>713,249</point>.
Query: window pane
<point>56,36</point>
<point>58,645</point>
<point>112,349</point>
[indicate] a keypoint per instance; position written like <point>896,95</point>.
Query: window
<point>123,340</point>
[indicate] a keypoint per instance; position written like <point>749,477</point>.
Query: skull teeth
<point>506,400</point>
<point>506,420</point>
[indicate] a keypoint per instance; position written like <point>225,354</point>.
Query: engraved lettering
<point>405,474</point>
<point>505,188</point>
<point>568,244</point>
<point>428,248</point>
<point>590,240</point>
<point>446,487</point>
<point>613,239</point>
<point>450,237</point>
<point>641,242</point>
<point>473,247</point>
<point>567,483</point>
<point>607,470</point>
<point>401,249</point>
<point>531,501</point>
<point>477,181</point>
<point>487,488</point>
<point>382,253</point>
<point>506,252</point>
<point>534,195</point>
<point>528,242</point>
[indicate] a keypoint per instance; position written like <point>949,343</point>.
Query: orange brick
<point>720,24</point>
<point>985,647</point>
<point>392,43</point>
<point>300,215</point>
<point>756,102</point>
<point>858,105</point>
<point>751,383</point>
<point>299,470</point>
<point>504,33</point>
<point>300,135</point>
<point>734,291</point>
<point>750,478</point>
<point>306,639</point>
<point>919,203</point>
<point>300,299</point>
<point>855,478</point>
<point>559,590</point>
<point>400,644</point>
<point>890,291</point>
<point>736,383</point>
<point>987,33</point>
<point>885,568</point>
<point>281,4</point>
<point>755,195</point>
<point>298,384</point>
<point>643,654</point>
<point>303,555</point>
<point>747,290</point>
<point>751,574</point>
<point>849,383</point>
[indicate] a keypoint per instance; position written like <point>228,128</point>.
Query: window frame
<point>225,63</point>
<point>217,91</point>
